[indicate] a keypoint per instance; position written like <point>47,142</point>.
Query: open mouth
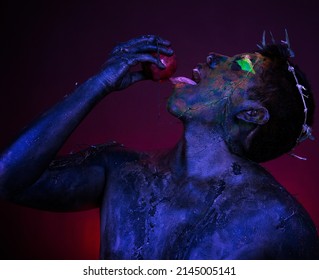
<point>196,77</point>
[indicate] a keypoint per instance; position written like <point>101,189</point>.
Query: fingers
<point>153,49</point>
<point>151,39</point>
<point>147,39</point>
<point>118,68</point>
<point>133,59</point>
<point>142,49</point>
<point>137,76</point>
<point>146,43</point>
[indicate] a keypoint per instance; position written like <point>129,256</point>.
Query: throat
<point>202,153</point>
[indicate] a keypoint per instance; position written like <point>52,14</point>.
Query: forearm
<point>26,159</point>
<point>30,155</point>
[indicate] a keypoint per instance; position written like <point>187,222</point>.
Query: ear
<point>257,115</point>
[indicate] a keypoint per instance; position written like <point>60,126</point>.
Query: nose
<point>213,59</point>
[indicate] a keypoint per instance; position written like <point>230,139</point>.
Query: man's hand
<point>117,72</point>
<point>32,152</point>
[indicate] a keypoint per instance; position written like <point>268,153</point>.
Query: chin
<point>175,107</point>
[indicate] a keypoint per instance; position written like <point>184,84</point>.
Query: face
<point>218,87</point>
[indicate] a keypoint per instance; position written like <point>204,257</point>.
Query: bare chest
<point>148,215</point>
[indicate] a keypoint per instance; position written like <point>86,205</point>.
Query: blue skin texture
<point>201,199</point>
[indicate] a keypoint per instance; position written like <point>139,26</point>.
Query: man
<point>206,198</point>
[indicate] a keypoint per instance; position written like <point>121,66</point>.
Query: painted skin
<point>200,200</point>
<point>220,81</point>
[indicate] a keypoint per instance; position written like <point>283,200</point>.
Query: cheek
<point>216,89</point>
<point>221,79</point>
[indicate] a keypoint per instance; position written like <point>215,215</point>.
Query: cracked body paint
<point>151,214</point>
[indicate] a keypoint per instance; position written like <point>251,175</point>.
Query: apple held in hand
<point>157,74</point>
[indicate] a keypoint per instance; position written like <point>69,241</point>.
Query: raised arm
<point>25,176</point>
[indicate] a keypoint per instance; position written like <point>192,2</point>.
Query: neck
<point>202,152</point>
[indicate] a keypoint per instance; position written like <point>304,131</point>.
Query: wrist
<point>96,84</point>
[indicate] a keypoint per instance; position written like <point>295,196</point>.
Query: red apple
<point>158,74</point>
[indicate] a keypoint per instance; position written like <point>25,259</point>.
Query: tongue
<point>182,80</point>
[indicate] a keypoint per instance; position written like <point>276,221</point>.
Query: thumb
<point>138,76</point>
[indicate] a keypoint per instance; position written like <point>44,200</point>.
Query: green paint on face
<point>246,65</point>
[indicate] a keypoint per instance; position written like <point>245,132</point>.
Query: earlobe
<point>258,115</point>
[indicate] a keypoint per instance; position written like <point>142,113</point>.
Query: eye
<point>246,65</point>
<point>252,113</point>
<point>211,61</point>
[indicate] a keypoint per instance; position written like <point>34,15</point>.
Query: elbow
<point>9,182</point>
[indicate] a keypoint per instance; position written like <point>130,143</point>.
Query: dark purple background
<point>48,46</point>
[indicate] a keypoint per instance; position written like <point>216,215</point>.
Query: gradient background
<point>48,46</point>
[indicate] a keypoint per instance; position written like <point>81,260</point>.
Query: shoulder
<point>109,155</point>
<point>267,221</point>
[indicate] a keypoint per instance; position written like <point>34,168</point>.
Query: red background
<point>48,46</point>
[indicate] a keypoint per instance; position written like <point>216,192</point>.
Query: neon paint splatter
<point>246,65</point>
